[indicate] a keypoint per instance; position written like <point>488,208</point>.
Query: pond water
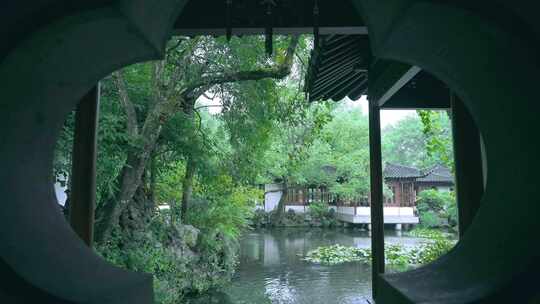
<point>272,271</point>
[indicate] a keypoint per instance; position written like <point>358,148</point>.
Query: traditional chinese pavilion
<point>406,182</point>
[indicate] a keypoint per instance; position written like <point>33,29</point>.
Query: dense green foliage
<point>335,153</point>
<point>337,156</point>
<point>182,260</point>
<point>318,210</point>
<point>437,208</point>
<point>439,244</point>
<point>423,141</point>
<point>175,181</point>
<point>409,142</point>
<point>317,215</point>
<point>438,134</point>
<point>344,147</point>
<point>184,141</point>
<point>404,143</point>
<point>224,207</point>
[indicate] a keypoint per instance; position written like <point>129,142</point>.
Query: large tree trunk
<point>135,217</point>
<point>282,201</point>
<point>130,180</point>
<point>187,188</point>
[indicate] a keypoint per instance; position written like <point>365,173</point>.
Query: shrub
<point>452,213</point>
<point>224,207</point>
<point>318,215</point>
<point>430,219</point>
<point>331,213</point>
<point>437,208</point>
<point>318,210</point>
<point>438,245</point>
<point>433,250</point>
<point>182,260</point>
<point>321,215</point>
<point>289,219</point>
<point>260,218</point>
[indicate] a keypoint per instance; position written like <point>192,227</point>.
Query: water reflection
<point>272,270</point>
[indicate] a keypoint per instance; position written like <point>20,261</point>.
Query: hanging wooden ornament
<point>316,33</point>
<point>269,30</point>
<point>228,21</point>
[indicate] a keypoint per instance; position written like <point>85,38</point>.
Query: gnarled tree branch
<point>129,108</point>
<point>280,71</point>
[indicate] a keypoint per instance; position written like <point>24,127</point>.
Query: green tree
<point>437,208</point>
<point>344,148</point>
<point>158,144</point>
<point>407,142</point>
<point>293,138</point>
<point>151,94</point>
<point>438,131</point>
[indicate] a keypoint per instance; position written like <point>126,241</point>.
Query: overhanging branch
<point>280,71</point>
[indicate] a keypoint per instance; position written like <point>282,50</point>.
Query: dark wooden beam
<point>468,164</point>
<point>358,91</point>
<point>83,176</point>
<point>424,91</point>
<point>346,30</point>
<point>387,78</point>
<point>376,179</point>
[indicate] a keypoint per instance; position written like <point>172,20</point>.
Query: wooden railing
<point>303,196</point>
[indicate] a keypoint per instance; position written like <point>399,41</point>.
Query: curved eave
<point>338,68</point>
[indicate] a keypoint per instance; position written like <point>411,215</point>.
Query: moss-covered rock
<point>188,234</point>
<point>183,260</point>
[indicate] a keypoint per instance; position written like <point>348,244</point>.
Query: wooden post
<point>83,175</point>
<point>468,164</point>
<point>376,178</point>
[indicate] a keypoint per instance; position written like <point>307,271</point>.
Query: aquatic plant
<point>336,254</point>
<point>431,251</point>
<point>426,233</point>
<point>395,254</point>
